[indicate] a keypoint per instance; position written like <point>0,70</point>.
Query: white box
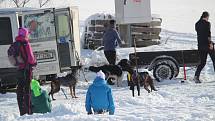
<point>132,11</point>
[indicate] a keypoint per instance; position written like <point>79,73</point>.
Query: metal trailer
<point>165,64</point>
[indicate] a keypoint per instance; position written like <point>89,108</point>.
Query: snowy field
<point>174,101</point>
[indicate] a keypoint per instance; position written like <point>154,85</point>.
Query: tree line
<point>23,3</point>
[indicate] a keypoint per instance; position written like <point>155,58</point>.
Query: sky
<point>177,15</point>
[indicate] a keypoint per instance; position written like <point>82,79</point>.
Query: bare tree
<point>20,3</point>
<point>43,2</point>
<point>1,1</point>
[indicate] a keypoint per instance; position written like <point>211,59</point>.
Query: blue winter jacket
<point>111,39</point>
<point>99,97</point>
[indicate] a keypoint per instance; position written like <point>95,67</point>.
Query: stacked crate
<point>145,34</point>
<point>94,29</point>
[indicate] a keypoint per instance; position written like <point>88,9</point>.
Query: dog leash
<point>63,92</point>
<point>84,75</point>
<point>78,58</point>
<point>135,51</point>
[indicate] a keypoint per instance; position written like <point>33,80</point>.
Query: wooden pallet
<point>144,33</point>
<point>97,28</point>
<point>146,30</point>
<point>145,36</point>
<point>99,22</point>
<point>146,42</point>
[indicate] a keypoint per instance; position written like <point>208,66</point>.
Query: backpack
<point>14,54</point>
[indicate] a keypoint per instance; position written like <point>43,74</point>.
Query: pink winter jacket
<point>29,60</point>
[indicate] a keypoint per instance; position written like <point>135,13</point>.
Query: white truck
<point>54,38</point>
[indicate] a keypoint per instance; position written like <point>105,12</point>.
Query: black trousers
<point>24,91</point>
<point>203,59</point>
<point>111,56</point>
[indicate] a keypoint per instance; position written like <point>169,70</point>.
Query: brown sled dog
<point>70,80</point>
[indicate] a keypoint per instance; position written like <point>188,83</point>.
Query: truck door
<point>65,39</point>
<point>8,31</point>
<point>41,24</point>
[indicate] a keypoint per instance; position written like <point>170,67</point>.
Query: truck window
<point>5,31</point>
<point>41,26</point>
<point>63,29</point>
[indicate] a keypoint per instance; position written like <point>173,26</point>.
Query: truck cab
<point>54,37</point>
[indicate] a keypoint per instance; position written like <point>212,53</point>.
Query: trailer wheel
<point>163,71</point>
<point>175,66</point>
<point>172,62</point>
<point>2,89</point>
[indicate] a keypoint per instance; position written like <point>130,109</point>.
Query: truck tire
<point>163,71</point>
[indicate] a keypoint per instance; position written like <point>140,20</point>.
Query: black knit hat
<point>205,14</point>
<point>112,22</point>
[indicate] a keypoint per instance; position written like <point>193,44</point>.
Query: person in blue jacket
<point>99,96</point>
<point>111,39</point>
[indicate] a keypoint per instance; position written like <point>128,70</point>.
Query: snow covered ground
<point>174,101</point>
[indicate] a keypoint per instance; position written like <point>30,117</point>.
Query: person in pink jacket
<point>24,72</point>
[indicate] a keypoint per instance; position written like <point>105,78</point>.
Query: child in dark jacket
<point>99,96</point>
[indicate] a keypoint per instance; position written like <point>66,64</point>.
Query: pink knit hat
<point>23,32</point>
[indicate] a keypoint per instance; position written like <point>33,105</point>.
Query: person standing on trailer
<point>24,72</point>
<point>205,45</point>
<point>111,39</point>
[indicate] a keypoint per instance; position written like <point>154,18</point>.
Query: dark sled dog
<point>113,71</point>
<point>137,79</point>
<point>70,80</point>
<point>140,79</point>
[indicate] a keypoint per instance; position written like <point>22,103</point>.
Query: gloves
<point>211,45</point>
